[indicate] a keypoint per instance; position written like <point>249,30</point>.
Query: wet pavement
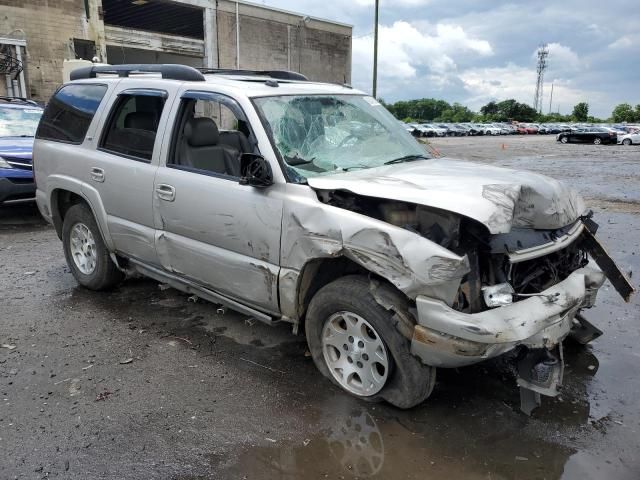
<point>142,383</point>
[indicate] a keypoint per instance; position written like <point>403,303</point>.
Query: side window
<point>69,113</point>
<point>210,135</point>
<point>132,126</point>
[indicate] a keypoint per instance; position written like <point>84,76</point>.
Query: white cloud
<point>626,41</point>
<point>562,59</point>
<point>514,81</point>
<point>403,50</point>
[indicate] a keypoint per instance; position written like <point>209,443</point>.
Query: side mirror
<point>255,171</point>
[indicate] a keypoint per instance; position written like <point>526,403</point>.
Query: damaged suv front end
<point>490,259</point>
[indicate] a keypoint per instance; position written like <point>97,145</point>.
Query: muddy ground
<point>140,383</point>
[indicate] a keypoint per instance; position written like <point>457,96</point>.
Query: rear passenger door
<point>211,229</point>
<point>123,167</point>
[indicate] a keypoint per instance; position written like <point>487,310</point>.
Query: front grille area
<point>538,274</point>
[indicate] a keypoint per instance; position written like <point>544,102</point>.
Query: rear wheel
<point>85,251</point>
<point>626,141</point>
<point>597,141</point>
<point>363,347</point>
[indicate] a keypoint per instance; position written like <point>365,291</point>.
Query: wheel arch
<point>62,198</point>
<point>319,272</point>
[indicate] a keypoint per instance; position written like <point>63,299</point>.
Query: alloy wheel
<point>355,354</point>
<point>83,248</point>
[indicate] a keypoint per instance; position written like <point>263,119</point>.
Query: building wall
<point>48,26</point>
<point>269,39</point>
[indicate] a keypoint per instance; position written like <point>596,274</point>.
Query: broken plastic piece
<point>498,295</point>
<point>583,331</point>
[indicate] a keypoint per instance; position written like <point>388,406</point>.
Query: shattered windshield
<point>18,122</point>
<point>323,134</point>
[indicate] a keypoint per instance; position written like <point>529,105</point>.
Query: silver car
<point>308,203</point>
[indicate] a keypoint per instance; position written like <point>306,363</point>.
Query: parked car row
<point>570,132</point>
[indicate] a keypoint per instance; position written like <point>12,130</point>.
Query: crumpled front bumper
<point>445,337</point>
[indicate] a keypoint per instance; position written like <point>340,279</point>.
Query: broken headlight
<point>498,295</point>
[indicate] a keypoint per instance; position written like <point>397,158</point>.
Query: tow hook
<point>539,373</point>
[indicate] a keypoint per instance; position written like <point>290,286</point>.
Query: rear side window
<point>132,127</point>
<point>69,113</point>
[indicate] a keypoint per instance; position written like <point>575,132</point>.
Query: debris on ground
<point>124,361</point>
<point>6,345</point>
<point>103,395</point>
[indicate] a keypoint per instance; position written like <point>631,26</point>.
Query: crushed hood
<point>499,198</point>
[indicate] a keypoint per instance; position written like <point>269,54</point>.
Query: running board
<point>194,289</point>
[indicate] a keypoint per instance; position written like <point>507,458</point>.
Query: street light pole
<point>375,53</point>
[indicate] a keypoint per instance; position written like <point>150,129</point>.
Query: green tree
<point>489,109</point>
<point>580,112</point>
<point>456,113</point>
<point>508,110</point>
<point>625,113</point>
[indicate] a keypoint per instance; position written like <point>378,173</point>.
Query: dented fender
<point>415,265</point>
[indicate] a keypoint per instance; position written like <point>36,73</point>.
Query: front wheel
<point>85,251</point>
<point>597,141</point>
<point>365,347</point>
<point>564,140</point>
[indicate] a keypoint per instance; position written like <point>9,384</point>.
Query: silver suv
<point>308,203</point>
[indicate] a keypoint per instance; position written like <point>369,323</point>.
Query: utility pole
<point>375,52</point>
<point>551,98</point>
<point>543,52</point>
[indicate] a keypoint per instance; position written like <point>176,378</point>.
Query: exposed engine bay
<point>488,254</point>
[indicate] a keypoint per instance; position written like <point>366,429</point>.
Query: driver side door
<point>211,229</point>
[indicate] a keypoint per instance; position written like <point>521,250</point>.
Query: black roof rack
<point>276,74</point>
<point>18,99</point>
<point>168,71</point>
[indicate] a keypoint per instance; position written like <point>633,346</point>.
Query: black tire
<point>597,141</point>
<point>105,275</point>
<point>627,141</point>
<point>564,140</point>
<point>409,382</point>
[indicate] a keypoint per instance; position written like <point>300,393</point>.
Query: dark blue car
<point>18,122</point>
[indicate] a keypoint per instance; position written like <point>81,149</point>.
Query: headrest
<point>201,132</point>
<point>141,121</point>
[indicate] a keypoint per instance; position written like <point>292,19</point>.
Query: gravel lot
<point>141,383</point>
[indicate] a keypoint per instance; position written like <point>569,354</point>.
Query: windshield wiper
<point>407,158</point>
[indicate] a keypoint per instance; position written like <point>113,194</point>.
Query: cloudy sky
<point>474,51</point>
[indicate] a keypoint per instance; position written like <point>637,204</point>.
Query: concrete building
<point>201,33</point>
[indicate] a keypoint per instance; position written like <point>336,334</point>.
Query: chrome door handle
<point>166,192</point>
<point>97,174</point>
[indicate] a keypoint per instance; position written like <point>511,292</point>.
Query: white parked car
<point>489,129</point>
<point>629,138</point>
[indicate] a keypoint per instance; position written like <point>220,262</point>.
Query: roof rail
<point>18,99</point>
<point>168,71</point>
<point>276,74</point>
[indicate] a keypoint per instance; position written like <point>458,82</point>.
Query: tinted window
<point>133,125</point>
<point>69,113</point>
